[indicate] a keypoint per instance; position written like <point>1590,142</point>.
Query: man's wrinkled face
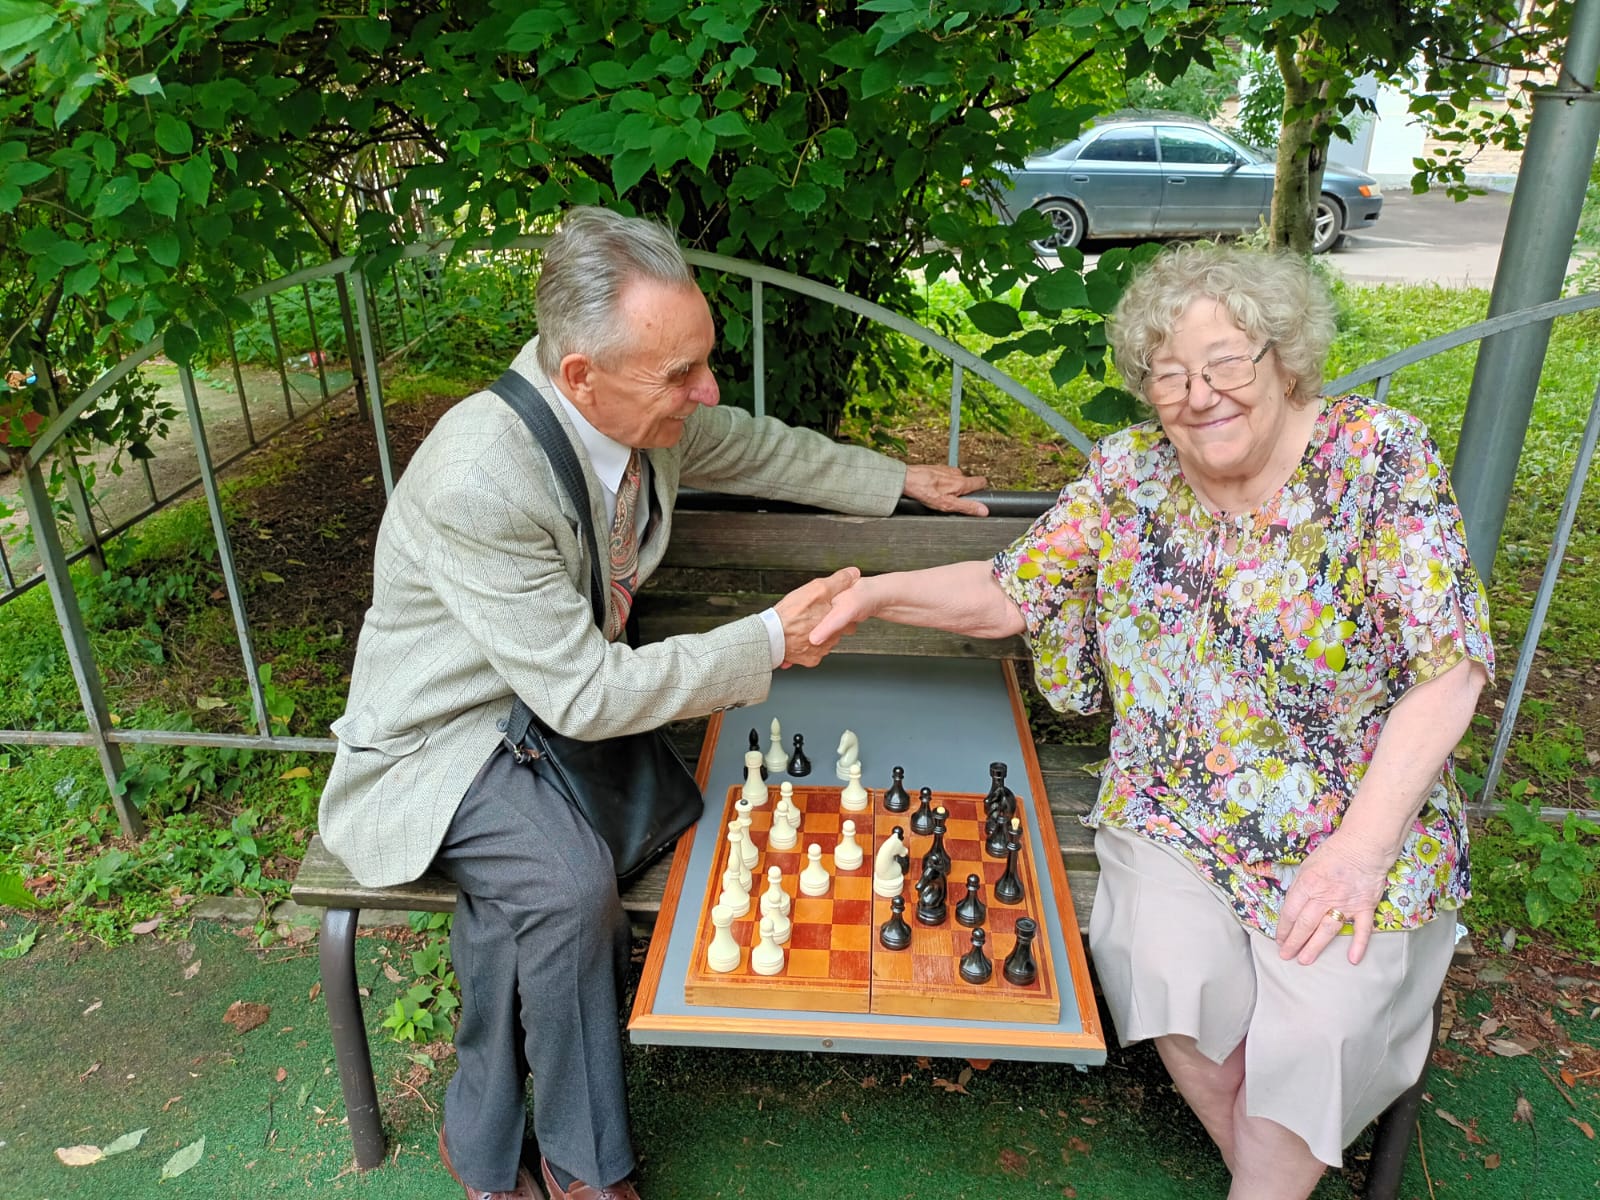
<point>642,396</point>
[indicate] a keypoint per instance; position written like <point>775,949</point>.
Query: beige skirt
<point>1327,1047</point>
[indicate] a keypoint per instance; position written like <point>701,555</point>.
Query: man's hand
<point>943,489</point>
<point>851,606</point>
<point>800,611</point>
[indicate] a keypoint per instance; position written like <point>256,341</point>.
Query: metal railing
<point>363,329</point>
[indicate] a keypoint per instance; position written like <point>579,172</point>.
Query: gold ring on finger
<point>1339,915</point>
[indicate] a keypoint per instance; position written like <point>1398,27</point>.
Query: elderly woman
<point>1273,589</point>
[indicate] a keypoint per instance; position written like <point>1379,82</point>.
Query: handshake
<point>818,614</point>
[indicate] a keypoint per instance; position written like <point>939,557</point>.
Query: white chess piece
<point>785,832</point>
<point>736,855</point>
<point>849,751</point>
<point>751,855</point>
<point>734,897</point>
<point>723,954</point>
<point>755,788</point>
<point>814,879</point>
<point>767,957</point>
<point>855,798</point>
<point>777,760</point>
<point>775,904</point>
<point>887,878</point>
<point>847,855</point>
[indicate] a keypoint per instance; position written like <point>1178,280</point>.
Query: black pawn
<point>897,799</point>
<point>1008,888</point>
<point>896,934</point>
<point>755,744</point>
<point>905,859</point>
<point>931,908</point>
<point>975,964</point>
<point>799,764</point>
<point>937,854</point>
<point>972,910</point>
<point>922,819</point>
<point>1020,968</point>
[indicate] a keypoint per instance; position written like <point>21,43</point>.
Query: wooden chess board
<point>834,961</point>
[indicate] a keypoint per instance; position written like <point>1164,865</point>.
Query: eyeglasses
<point>1222,374</point>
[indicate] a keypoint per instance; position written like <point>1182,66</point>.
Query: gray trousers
<point>540,946</point>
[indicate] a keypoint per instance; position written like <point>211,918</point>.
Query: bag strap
<point>529,403</point>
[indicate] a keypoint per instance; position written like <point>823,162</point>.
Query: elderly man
<point>481,594</point>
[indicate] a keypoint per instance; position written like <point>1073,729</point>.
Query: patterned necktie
<point>624,549</point>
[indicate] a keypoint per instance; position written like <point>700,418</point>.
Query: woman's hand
<point>1346,875</point>
<point>850,607</point>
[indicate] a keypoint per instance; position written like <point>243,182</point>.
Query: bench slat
<point>823,542</point>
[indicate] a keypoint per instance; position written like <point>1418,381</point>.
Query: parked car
<point>1154,174</point>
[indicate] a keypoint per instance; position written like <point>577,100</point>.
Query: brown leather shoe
<point>526,1189</point>
<point>582,1191</point>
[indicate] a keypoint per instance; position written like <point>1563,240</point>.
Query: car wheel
<point>1067,220</point>
<point>1327,227</point>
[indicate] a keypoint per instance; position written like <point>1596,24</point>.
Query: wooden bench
<point>725,563</point>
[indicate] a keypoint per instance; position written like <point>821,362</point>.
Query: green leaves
<point>14,894</point>
<point>995,318</point>
<point>172,135</point>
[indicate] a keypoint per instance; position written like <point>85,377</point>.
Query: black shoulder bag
<point>634,790</point>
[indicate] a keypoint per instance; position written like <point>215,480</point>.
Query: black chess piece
<point>1008,888</point>
<point>755,744</point>
<point>937,854</point>
<point>1020,968</point>
<point>922,819</point>
<point>1000,797</point>
<point>896,934</point>
<point>995,836</point>
<point>897,799</point>
<point>972,910</point>
<point>903,860</point>
<point>931,908</point>
<point>799,764</point>
<point>975,964</point>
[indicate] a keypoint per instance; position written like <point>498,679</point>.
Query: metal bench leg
<point>1391,1141</point>
<point>338,959</point>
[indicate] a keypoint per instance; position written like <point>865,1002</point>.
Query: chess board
<point>834,961</point>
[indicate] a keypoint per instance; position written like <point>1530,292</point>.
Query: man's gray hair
<point>587,263</point>
<point>1273,295</point>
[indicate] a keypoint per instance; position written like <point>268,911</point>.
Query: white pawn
<point>777,760</point>
<point>775,904</point>
<point>734,897</point>
<point>723,953</point>
<point>785,831</point>
<point>767,957</point>
<point>849,751</point>
<point>855,798</point>
<point>755,788</point>
<point>847,854</point>
<point>814,879</point>
<point>736,855</point>
<point>887,877</point>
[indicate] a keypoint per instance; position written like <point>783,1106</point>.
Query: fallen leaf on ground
<point>1506,1048</point>
<point>192,969</point>
<point>1523,1111</point>
<point>1078,1145</point>
<point>92,1007</point>
<point>207,703</point>
<point>923,1064</point>
<point>1090,1120</point>
<point>149,926</point>
<point>296,773</point>
<point>391,974</point>
<point>79,1156</point>
<point>316,990</point>
<point>283,1073</point>
<point>870,1081</point>
<point>93,1067</point>
<point>170,1103</point>
<point>126,1142</point>
<point>1473,1135</point>
<point>183,1159</point>
<point>948,1086</point>
<point>1492,1161</point>
<point>245,1016</point>
<point>1491,1024</point>
<point>1588,1129</point>
<point>965,1077</point>
<point>1568,1078</point>
<point>1013,1163</point>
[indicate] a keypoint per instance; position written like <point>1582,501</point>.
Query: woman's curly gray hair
<point>1270,294</point>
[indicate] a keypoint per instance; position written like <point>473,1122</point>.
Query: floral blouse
<point>1251,660</point>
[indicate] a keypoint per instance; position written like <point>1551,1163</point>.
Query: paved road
<point>1428,239</point>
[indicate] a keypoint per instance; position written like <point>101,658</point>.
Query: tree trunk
<point>1302,152</point>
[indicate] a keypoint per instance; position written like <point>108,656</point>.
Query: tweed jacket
<point>481,590</point>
